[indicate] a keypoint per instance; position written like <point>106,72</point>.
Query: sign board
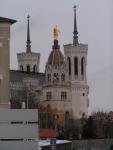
<point>18,115</point>
<point>18,131</point>
<point>19,124</point>
<point>53,141</point>
<point>18,145</point>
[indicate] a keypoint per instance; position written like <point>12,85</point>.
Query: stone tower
<point>28,61</point>
<point>5,25</point>
<point>76,57</point>
<point>56,91</point>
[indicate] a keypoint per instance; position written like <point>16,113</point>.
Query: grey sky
<point>95,27</point>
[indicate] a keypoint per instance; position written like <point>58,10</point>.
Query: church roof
<point>55,57</point>
<point>17,76</point>
<point>2,19</point>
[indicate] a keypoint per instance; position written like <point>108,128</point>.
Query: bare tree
<point>26,94</point>
<point>98,125</point>
<point>72,128</point>
<point>103,123</point>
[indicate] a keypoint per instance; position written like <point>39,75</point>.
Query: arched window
<point>21,68</point>
<point>82,65</point>
<point>28,68</point>
<point>76,65</point>
<point>69,65</point>
<point>34,68</point>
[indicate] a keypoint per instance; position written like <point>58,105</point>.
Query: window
<point>34,69</point>
<point>49,77</point>
<point>63,95</point>
<point>83,94</point>
<point>28,68</point>
<point>76,65</point>
<point>21,68</point>
<point>82,65</point>
<point>49,96</point>
<point>69,65</point>
<point>56,76</point>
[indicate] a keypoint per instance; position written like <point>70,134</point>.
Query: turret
<point>28,61</point>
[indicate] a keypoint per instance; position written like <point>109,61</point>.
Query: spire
<point>75,32</point>
<point>28,46</point>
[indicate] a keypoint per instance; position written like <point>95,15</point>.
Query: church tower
<point>56,91</point>
<point>76,57</point>
<point>28,61</point>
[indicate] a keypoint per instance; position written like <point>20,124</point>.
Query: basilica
<point>63,86</point>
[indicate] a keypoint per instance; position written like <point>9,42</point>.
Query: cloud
<point>36,25</point>
<point>35,22</point>
<point>103,76</point>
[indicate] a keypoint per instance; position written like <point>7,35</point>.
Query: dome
<point>56,57</point>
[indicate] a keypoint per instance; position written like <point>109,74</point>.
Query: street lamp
<point>27,99</point>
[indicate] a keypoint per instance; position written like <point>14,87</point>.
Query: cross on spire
<point>75,7</point>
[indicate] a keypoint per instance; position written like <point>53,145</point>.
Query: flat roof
<point>47,142</point>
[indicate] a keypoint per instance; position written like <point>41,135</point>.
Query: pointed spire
<point>75,32</point>
<point>28,46</point>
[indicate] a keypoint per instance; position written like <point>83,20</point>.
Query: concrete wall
<point>92,143</point>
<point>4,64</point>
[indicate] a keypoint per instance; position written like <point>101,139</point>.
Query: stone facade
<point>5,25</point>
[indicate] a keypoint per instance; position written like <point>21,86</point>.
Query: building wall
<point>56,92</point>
<point>51,118</point>
<point>92,143</point>
<point>4,64</point>
<point>64,106</point>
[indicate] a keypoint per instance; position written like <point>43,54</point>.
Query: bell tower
<point>76,57</point>
<point>28,61</point>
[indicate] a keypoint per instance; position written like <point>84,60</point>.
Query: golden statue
<point>55,32</point>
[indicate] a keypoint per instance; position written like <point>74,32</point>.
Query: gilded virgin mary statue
<point>55,32</point>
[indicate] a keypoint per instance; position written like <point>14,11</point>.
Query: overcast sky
<point>95,27</point>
